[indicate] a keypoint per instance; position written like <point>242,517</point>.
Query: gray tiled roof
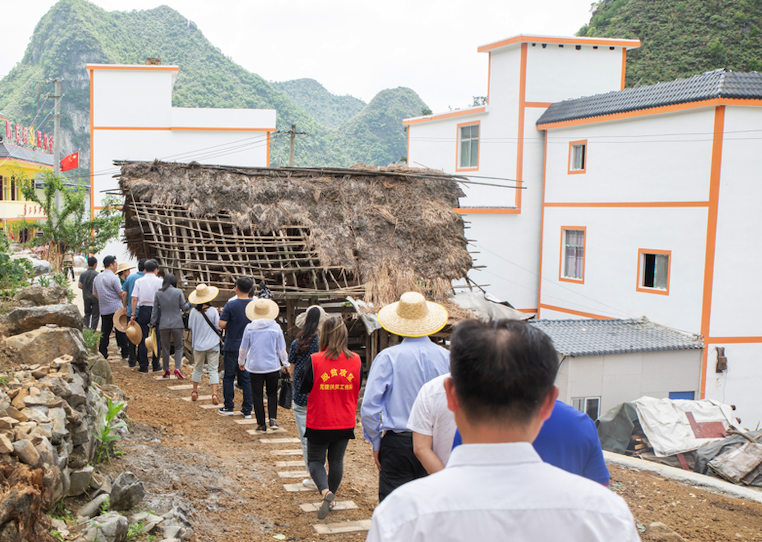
<point>577,338</point>
<point>22,153</point>
<point>716,84</point>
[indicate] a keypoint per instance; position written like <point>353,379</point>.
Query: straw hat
<point>413,316</point>
<point>303,316</point>
<point>121,320</point>
<point>203,294</point>
<point>134,334</point>
<point>124,267</point>
<point>151,342</point>
<point>262,308</point>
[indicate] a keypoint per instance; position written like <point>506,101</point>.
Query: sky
<point>353,47</point>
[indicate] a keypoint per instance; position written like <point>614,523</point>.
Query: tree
<point>68,230</point>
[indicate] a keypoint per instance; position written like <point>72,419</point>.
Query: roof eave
<point>561,40</point>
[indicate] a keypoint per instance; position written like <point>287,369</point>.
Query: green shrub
<point>92,338</point>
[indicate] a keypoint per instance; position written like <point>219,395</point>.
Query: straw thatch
<point>363,231</point>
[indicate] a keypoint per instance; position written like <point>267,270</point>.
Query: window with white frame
<point>589,405</point>
<point>654,271</point>
<point>469,146</point>
<point>574,254</point>
<point>578,156</point>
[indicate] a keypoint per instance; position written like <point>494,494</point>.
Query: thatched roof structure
<point>310,233</point>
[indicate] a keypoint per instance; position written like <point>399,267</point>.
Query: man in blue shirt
<point>129,284</point>
<point>234,321</point>
<point>395,378</point>
<point>569,440</point>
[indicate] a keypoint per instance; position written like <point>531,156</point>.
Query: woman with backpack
<point>204,324</point>
<point>332,379</point>
<point>169,304</point>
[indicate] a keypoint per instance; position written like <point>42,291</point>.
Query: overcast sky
<point>352,47</point>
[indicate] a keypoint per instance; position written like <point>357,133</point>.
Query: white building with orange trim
<point>132,118</point>
<point>635,202</point>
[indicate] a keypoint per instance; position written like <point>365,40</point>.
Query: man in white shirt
<point>143,294</point>
<point>495,486</point>
<point>433,425</point>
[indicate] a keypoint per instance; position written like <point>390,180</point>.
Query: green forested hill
<point>76,32</point>
<point>326,108</point>
<point>681,38</point>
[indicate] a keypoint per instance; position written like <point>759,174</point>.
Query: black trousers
<point>107,324</point>
<point>258,383</point>
<point>316,459</point>
<point>144,318</point>
<point>398,463</point>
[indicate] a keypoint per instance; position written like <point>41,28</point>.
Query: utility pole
<point>57,136</point>
<point>291,147</point>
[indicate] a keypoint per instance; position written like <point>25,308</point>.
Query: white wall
<point>740,384</point>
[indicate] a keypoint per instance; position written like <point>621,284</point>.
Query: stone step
<point>200,398</point>
<point>276,440</point>
<point>293,474</point>
<point>181,387</point>
<point>170,377</point>
<point>343,527</point>
<point>289,463</point>
<point>294,488</point>
<point>286,452</point>
<point>340,505</point>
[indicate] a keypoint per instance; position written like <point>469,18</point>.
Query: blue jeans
<point>228,381</point>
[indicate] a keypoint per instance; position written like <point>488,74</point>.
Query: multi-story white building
<point>636,202</point>
<point>132,118</point>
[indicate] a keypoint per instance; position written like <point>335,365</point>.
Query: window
<point>653,271</point>
<point>577,156</point>
<point>573,254</point>
<point>2,188</point>
<point>13,189</point>
<point>687,395</point>
<point>589,405</point>
<point>468,146</point>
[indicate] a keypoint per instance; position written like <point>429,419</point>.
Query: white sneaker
<point>309,483</point>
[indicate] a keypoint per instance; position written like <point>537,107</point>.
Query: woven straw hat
<point>303,316</point>
<point>413,316</point>
<point>124,267</point>
<point>151,342</point>
<point>133,333</point>
<point>262,308</point>
<point>203,294</point>
<point>121,320</point>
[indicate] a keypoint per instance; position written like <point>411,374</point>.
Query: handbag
<point>286,393</point>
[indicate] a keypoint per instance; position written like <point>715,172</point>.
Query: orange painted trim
<point>182,128</point>
<point>457,145</point>
<point>489,75</point>
<point>542,223</point>
<point>268,150</point>
<point>711,233</point>
<point>527,311</point>
<point>487,211</point>
<point>624,66</point>
<point>561,260</point>
<point>629,204</point>
<point>576,313</point>
<point>573,144</point>
<point>92,67</point>
<point>644,289</point>
<point>653,111</point>
<point>92,146</point>
<point>733,340</point>
<point>538,104</point>
<point>520,139</point>
<point>453,114</point>
<point>523,39</point>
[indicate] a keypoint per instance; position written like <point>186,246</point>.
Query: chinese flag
<point>70,162</point>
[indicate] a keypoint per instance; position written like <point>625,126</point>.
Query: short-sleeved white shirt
<point>430,416</point>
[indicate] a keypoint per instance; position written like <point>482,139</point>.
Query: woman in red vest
<point>332,380</point>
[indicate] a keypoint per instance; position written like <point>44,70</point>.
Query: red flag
<point>70,162</point>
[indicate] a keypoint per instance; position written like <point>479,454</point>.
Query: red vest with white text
<point>333,400</point>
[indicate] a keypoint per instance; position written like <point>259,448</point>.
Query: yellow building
<point>16,162</point>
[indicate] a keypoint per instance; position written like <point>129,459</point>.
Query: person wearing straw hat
<point>206,338</point>
<point>263,354</point>
<point>396,376</point>
<point>123,271</point>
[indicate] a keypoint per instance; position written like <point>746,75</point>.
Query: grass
<point>92,338</point>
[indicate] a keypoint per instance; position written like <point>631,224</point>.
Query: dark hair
<point>169,280</point>
<point>92,261</point>
<point>308,332</point>
<point>502,370</point>
<point>142,265</point>
<point>334,339</point>
<point>108,261</point>
<point>151,266</point>
<point>244,285</point>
